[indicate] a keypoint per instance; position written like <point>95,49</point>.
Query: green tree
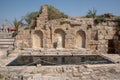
<point>31,16</point>
<point>91,13</point>
<point>16,24</point>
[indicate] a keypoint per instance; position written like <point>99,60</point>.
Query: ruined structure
<point>75,47</point>
<point>72,33</point>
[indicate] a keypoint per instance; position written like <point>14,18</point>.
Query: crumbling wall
<point>23,40</point>
<point>96,36</point>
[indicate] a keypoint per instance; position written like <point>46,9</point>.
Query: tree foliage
<point>91,13</point>
<point>31,16</point>
<point>16,24</point>
<point>54,13</point>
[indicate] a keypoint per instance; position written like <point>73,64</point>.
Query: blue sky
<point>11,9</point>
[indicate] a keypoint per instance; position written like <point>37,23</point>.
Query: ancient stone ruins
<point>75,48</point>
<point>72,33</point>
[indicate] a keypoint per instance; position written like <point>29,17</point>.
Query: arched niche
<point>80,39</point>
<point>59,39</point>
<point>37,39</point>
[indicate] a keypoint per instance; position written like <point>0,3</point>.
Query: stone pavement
<point>76,72</point>
<point>113,57</point>
<point>60,72</point>
<point>64,72</point>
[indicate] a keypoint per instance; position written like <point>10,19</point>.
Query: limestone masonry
<point>72,33</point>
<point>64,39</point>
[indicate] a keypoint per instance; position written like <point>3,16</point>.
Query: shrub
<point>14,34</point>
<point>91,13</point>
<point>99,20</point>
<point>118,21</point>
<point>54,13</point>
<point>107,15</point>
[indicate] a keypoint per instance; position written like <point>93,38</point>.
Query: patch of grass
<point>1,76</point>
<point>32,72</point>
<point>22,49</point>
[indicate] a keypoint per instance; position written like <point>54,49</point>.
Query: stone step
<point>6,43</point>
<point>6,46</point>
<point>6,40</point>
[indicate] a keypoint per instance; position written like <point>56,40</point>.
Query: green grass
<point>1,76</point>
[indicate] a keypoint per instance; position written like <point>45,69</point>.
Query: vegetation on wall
<point>54,13</point>
<point>99,20</point>
<point>118,21</point>
<point>91,13</point>
<point>31,16</point>
<point>107,15</point>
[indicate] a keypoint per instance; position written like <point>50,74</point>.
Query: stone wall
<point>23,40</point>
<point>71,33</point>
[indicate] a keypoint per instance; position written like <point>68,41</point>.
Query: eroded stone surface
<point>69,72</point>
<point>78,36</point>
<point>75,33</point>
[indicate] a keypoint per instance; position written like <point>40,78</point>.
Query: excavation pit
<point>46,60</point>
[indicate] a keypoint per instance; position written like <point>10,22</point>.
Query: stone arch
<point>80,39</point>
<point>37,39</point>
<point>59,39</point>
